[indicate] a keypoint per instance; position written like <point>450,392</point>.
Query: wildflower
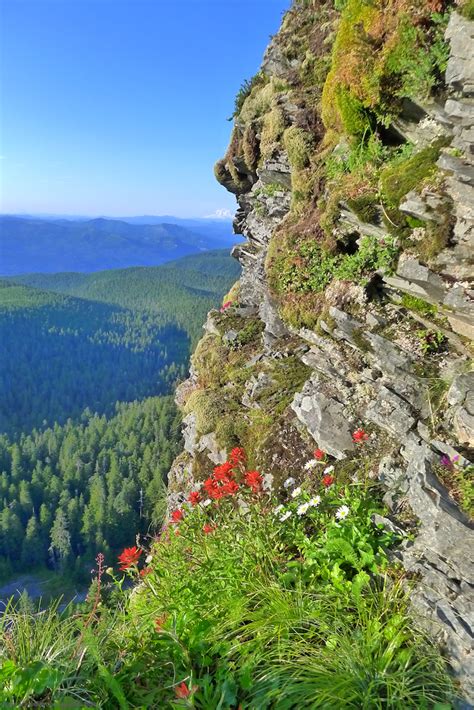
<point>342,512</point>
<point>225,306</point>
<point>145,571</point>
<point>289,482</point>
<point>223,472</point>
<point>314,502</point>
<point>207,502</point>
<point>319,454</point>
<point>302,509</point>
<point>194,498</point>
<point>177,515</point>
<point>254,480</point>
<point>237,455</point>
<point>285,516</point>
<point>359,436</point>
<point>207,528</point>
<point>182,690</point>
<point>328,469</point>
<point>148,559</point>
<point>296,493</point>
<point>327,480</point>
<point>448,462</point>
<point>159,622</point>
<point>129,557</point>
<point>229,488</point>
<point>310,464</point>
<point>278,509</point>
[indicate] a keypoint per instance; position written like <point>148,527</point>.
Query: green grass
<point>257,612</point>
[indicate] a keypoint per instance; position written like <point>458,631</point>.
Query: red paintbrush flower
<point>254,480</point>
<point>237,456</point>
<point>177,515</point>
<point>129,557</point>
<point>359,436</point>
<point>319,454</point>
<point>207,528</point>
<point>145,571</point>
<point>223,472</point>
<point>327,480</point>
<point>229,488</point>
<point>194,498</point>
<point>182,690</point>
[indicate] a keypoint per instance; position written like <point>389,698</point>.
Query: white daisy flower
<point>328,469</point>
<point>278,509</point>
<point>310,464</point>
<point>207,502</point>
<point>302,509</point>
<point>342,512</point>
<point>296,492</point>
<point>289,482</point>
<point>148,559</point>
<point>285,516</point>
<point>314,502</point>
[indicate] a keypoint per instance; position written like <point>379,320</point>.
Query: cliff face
<point>352,159</point>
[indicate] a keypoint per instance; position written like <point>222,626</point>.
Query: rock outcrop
<point>289,366</point>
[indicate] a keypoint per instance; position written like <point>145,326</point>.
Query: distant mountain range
<point>51,244</point>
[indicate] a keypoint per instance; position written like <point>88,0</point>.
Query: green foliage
<point>431,341</point>
<point>419,66</point>
<point>403,175</point>
<point>379,56</point>
<point>307,267</point>
<point>413,303</point>
<point>245,91</point>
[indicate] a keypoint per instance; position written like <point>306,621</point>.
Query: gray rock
<point>230,336</point>
<point>324,418</point>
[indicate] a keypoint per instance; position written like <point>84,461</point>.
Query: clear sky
<point>119,107</point>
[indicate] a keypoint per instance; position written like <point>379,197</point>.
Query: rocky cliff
<point>352,160</point>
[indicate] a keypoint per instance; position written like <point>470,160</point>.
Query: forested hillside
<point>73,490</point>
<point>128,336</point>
<point>60,355</point>
<point>182,291</point>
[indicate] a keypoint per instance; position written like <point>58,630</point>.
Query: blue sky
<point>119,107</point>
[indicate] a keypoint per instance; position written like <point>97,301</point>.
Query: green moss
<point>398,178</point>
<point>272,188</point>
<point>354,116</point>
<point>467,9</point>
<point>250,147</point>
<point>361,341</point>
<point>272,128</point>
<point>379,56</point>
<point>418,305</point>
<point>365,206</point>
<point>299,145</point>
